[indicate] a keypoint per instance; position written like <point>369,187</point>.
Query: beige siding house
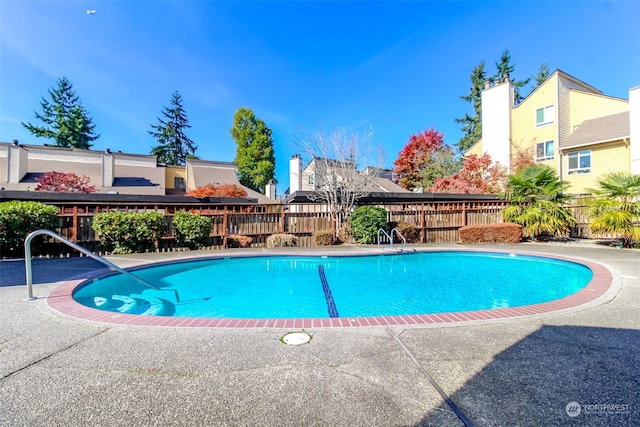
<point>566,124</point>
<point>112,172</point>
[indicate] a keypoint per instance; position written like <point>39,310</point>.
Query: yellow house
<point>566,124</point>
<point>175,179</point>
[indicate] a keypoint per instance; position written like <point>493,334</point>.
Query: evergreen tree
<point>66,121</point>
<point>505,69</point>
<point>472,125</point>
<point>255,155</point>
<point>541,76</point>
<point>175,147</point>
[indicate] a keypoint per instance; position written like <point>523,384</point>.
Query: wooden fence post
<point>464,214</point>
<point>423,225</point>
<point>74,227</point>
<point>224,228</point>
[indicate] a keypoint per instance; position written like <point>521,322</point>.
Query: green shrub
<point>191,230</point>
<point>238,241</point>
<point>18,219</point>
<point>282,241</point>
<point>129,232</point>
<point>323,238</point>
<point>365,222</point>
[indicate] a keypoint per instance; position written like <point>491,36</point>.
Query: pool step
<point>132,304</point>
<point>156,306</point>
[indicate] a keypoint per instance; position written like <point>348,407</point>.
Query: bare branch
<point>336,161</point>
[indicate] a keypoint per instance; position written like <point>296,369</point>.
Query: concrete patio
<point>59,370</point>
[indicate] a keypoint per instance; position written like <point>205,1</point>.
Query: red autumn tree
<point>521,157</point>
<point>224,190</point>
<point>420,152</point>
<point>62,182</point>
<point>479,175</point>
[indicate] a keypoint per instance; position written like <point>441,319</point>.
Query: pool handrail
<point>382,230</point>
<point>27,259</point>
<point>390,237</point>
<point>404,241</point>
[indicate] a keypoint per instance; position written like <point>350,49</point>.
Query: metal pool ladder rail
<point>27,259</point>
<point>390,237</point>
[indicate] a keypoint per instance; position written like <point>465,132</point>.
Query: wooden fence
<point>437,222</point>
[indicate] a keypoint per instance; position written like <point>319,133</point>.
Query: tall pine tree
<point>255,155</point>
<point>472,125</point>
<point>66,121</point>
<point>504,69</point>
<point>174,145</point>
<point>542,75</point>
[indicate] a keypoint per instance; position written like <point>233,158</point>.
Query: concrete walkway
<point>58,370</point>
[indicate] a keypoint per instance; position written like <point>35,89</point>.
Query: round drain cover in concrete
<point>296,338</point>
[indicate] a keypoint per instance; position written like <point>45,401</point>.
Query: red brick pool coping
<point>60,299</point>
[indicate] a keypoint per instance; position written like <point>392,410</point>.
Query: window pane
<point>550,148</point>
<point>573,161</point>
<point>548,114</point>
<point>540,115</point>
<point>585,159</point>
<point>540,150</point>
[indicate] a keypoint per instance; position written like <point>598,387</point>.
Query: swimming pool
<point>338,287</point>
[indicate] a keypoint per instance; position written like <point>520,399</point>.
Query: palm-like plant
<point>536,195</point>
<point>616,207</point>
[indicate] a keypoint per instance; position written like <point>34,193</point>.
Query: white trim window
<point>545,115</point>
<point>544,151</point>
<point>579,162</point>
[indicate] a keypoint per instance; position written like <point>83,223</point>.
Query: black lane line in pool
<point>331,304</point>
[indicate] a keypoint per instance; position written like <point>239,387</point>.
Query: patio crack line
<point>378,386</point>
<point>17,371</point>
<point>444,395</point>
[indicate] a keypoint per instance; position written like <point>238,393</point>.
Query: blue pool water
<point>317,287</point>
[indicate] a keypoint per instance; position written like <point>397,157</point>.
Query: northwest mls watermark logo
<point>574,409</point>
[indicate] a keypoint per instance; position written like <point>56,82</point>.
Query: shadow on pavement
<point>46,270</point>
<point>558,375</point>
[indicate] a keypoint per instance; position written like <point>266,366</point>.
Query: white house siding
<point>497,102</point>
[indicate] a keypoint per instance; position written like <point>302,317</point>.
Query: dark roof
<point>602,129</point>
<point>132,181</point>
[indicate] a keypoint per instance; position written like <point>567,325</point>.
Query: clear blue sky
<point>398,67</point>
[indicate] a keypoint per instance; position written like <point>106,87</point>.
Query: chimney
<point>270,190</point>
<point>295,173</point>
<point>108,168</point>
<point>17,163</point>
<point>497,103</point>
